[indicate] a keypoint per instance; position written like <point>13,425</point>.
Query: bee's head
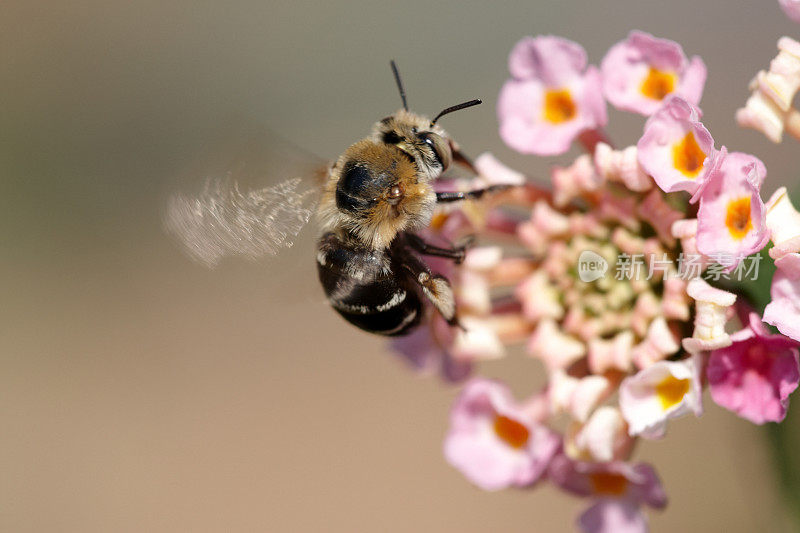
<point>420,138</point>
<point>427,144</point>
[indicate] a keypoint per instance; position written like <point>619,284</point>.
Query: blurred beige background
<point>141,392</point>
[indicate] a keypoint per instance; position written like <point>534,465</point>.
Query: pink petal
<point>643,485</point>
<point>520,107</point>
<point>732,181</point>
<point>611,516</point>
<point>783,311</point>
<point>494,172</point>
<point>674,300</point>
<point>783,223</point>
<point>553,60</point>
<point>791,8</point>
<point>426,350</point>
<point>483,462</point>
<point>667,128</point>
<point>693,81</point>
<point>622,166</point>
<point>755,375</point>
<point>655,210</point>
<point>628,63</point>
<point>763,114</point>
<point>556,349</point>
<point>605,354</point>
<point>604,437</point>
<point>473,447</point>
<point>573,181</point>
<point>659,343</point>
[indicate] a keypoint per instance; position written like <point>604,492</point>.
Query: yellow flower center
<point>559,106</point>
<point>609,484</point>
<point>658,84</point>
<point>671,391</point>
<point>688,157</point>
<point>511,432</point>
<point>737,218</point>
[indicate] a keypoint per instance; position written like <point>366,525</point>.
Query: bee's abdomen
<point>362,289</point>
<point>398,311</point>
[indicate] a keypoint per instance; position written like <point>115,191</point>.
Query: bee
<point>377,196</point>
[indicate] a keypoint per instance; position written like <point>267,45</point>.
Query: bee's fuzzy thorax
<point>378,224</point>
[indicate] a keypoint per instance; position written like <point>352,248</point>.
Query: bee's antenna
<point>458,107</point>
<point>399,84</point>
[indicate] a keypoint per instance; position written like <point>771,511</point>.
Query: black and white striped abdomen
<point>361,286</point>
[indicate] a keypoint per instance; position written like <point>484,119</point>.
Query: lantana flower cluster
<point>613,278</point>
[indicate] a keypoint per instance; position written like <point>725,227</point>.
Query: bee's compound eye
<point>440,148</point>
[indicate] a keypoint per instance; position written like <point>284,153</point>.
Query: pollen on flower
<point>511,432</point>
<point>608,483</point>
<point>658,84</point>
<point>687,156</point>
<point>559,106</point>
<point>737,217</point>
<point>671,390</point>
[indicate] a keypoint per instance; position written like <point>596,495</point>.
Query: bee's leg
<point>435,287</point>
<point>460,158</point>
<point>457,196</point>
<point>456,253</point>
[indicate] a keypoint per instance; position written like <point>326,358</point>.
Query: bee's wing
<point>246,211</point>
<point>223,220</point>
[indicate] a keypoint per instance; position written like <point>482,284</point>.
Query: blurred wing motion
<point>223,221</point>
